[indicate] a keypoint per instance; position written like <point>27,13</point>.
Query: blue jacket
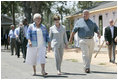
<point>32,34</point>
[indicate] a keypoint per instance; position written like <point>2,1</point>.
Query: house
<point>5,25</point>
<point>100,14</point>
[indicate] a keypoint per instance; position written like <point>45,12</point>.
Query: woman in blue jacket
<point>37,38</point>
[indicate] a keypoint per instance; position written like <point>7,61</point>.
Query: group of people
<point>37,39</point>
<point>17,39</point>
<point>86,28</point>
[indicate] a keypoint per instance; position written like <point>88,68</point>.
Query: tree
<point>6,8</point>
<point>62,10</point>
<point>85,4</point>
<point>32,7</point>
<point>27,10</point>
<point>13,12</point>
<point>10,8</point>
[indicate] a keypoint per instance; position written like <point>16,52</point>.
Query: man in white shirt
<point>18,41</point>
<point>12,39</point>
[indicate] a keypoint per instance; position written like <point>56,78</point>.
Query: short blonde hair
<point>36,15</point>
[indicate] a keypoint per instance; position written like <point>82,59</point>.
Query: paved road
<point>14,68</point>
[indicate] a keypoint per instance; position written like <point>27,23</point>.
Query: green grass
<point>102,64</point>
<point>73,60</point>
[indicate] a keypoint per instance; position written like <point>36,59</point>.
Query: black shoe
<point>113,62</point>
<point>34,74</point>
<point>110,61</point>
<point>24,61</point>
<point>18,57</point>
<point>87,70</point>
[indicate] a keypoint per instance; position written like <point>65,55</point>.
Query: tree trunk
<point>13,14</point>
<point>36,8</point>
<point>27,10</point>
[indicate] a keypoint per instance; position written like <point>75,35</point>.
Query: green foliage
<point>87,4</point>
<point>31,7</point>
<point>62,9</point>
<point>73,60</point>
<point>6,7</point>
<point>102,63</point>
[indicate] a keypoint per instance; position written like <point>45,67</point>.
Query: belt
<point>13,38</point>
<point>87,38</point>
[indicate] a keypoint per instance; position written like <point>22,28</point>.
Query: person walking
<point>110,38</point>
<point>37,38</point>
<point>12,39</point>
<point>85,28</point>
<point>6,40</point>
<point>22,37</point>
<point>58,39</point>
<point>18,41</point>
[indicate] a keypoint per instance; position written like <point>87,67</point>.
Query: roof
<point>9,18</point>
<point>99,6</point>
<point>105,4</point>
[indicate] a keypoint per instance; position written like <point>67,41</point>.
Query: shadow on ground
<point>65,73</point>
<point>5,50</point>
<point>52,76</point>
<point>103,72</point>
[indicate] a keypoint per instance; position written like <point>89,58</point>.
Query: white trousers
<point>87,47</point>
<point>36,55</point>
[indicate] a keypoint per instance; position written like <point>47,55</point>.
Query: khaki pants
<point>13,45</point>
<point>87,47</point>
<point>111,51</point>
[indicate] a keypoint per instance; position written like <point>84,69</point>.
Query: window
<point>106,14</point>
<point>113,13</point>
<point>101,25</point>
<point>94,17</point>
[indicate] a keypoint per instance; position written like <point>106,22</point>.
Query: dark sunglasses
<point>56,19</point>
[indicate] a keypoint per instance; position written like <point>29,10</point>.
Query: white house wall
<point>110,15</point>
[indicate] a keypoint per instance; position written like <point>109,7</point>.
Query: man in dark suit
<point>110,35</point>
<point>6,40</point>
<point>22,37</point>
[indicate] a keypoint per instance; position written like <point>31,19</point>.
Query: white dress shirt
<point>112,30</point>
<point>40,37</point>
